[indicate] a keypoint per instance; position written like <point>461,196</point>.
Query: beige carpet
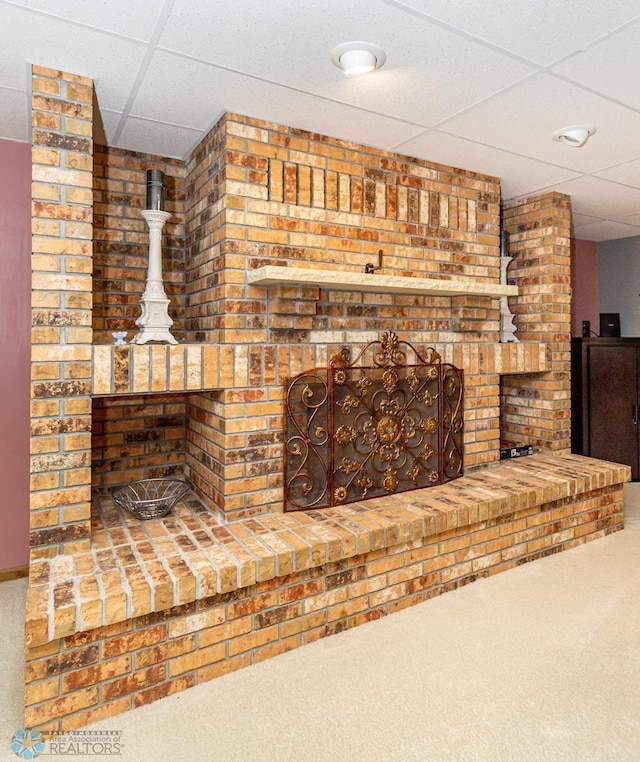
<point>538,663</point>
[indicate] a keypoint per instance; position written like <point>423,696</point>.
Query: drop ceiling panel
<point>601,198</point>
<point>519,174</point>
<point>627,173</point>
<point>612,67</point>
<point>430,72</point>
<point>524,118</point>
<point>60,45</point>
<point>156,138</point>
<point>535,30</point>
<point>605,230</point>
<point>208,91</point>
<point>105,126</point>
<point>135,18</point>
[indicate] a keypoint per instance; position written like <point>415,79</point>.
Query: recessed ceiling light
<point>575,136</point>
<point>358,57</point>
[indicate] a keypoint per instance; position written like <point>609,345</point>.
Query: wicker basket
<point>150,498</point>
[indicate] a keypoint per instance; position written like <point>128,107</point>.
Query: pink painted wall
<point>584,286</point>
<point>15,321</point>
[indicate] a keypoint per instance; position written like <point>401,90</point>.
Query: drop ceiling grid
<point>495,79</point>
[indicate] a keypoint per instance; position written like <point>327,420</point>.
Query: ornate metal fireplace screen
<point>354,431</point>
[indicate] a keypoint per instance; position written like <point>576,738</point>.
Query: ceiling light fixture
<point>358,58</point>
<point>575,136</point>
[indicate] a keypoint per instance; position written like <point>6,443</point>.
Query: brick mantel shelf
<point>341,280</point>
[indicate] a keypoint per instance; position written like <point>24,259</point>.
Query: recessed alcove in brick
<point>137,438</point>
<point>120,240</point>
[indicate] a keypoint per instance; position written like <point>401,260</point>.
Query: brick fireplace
<point>254,207</point>
<point>256,195</point>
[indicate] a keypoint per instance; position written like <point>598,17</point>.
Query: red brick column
<point>62,206</point>
<point>537,409</point>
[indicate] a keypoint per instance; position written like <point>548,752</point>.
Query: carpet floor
<point>541,662</point>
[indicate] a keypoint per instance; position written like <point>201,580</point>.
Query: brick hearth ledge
<point>157,607</point>
<point>135,568</point>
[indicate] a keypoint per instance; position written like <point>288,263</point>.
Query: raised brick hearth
<point>163,605</point>
<point>122,612</point>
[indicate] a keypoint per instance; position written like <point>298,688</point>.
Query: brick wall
<point>62,179</point>
<point>121,241</point>
<point>537,409</point>
<point>251,194</point>
<point>208,254</point>
<point>137,438</point>
<point>260,193</point>
<point>285,196</point>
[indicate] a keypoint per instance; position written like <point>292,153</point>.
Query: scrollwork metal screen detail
<point>355,431</point>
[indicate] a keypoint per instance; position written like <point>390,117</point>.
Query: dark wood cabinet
<point>605,395</point>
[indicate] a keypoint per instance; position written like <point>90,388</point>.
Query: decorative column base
<point>507,328</point>
<point>154,321</point>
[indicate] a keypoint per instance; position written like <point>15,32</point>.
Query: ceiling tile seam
<point>591,219</point>
<point>568,80</point>
<point>541,68</point>
<point>611,33</point>
<point>618,220</point>
<point>142,70</point>
<point>588,45</point>
<point>465,35</point>
<point>163,123</point>
<point>589,224</point>
<point>581,176</point>
<point>422,133</point>
<point>608,180</point>
<point>20,90</point>
<point>300,90</point>
<point>487,98</point>
<point>73,22</point>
